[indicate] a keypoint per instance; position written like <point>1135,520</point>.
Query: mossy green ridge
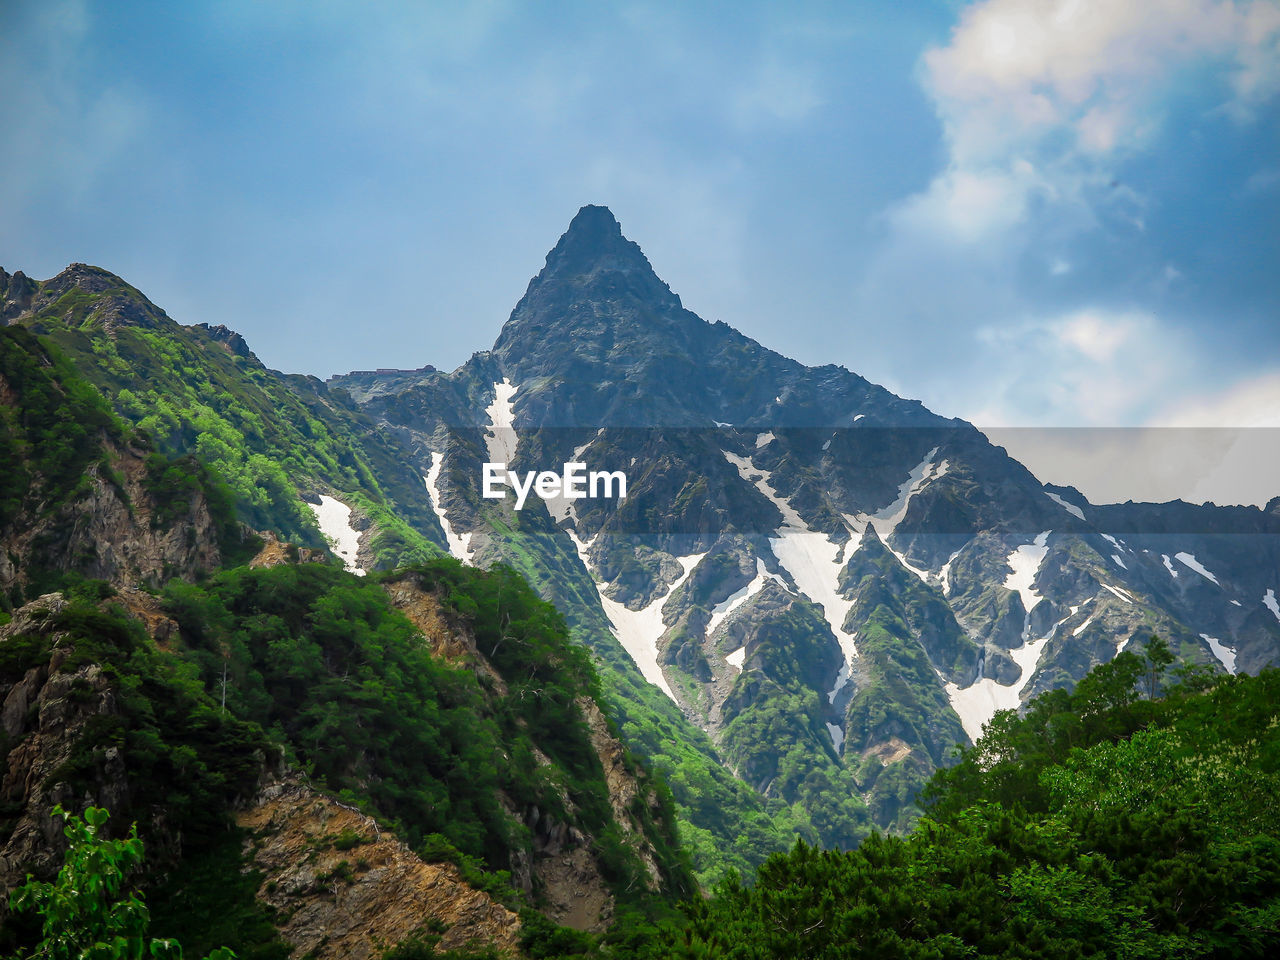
<point>899,720</point>
<point>58,436</point>
<point>198,390</point>
<point>774,719</point>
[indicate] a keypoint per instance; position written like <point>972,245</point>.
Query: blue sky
<point>1029,213</point>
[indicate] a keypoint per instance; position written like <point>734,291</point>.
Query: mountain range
<point>811,594</point>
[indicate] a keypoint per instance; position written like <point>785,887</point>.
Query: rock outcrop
<point>348,890</point>
<point>43,713</point>
<point>111,531</point>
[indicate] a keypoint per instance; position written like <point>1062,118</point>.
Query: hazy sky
<point>1023,212</point>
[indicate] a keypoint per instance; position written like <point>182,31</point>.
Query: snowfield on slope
<point>333,517</point>
<point>722,610</point>
<point>459,543</point>
<point>640,630</point>
<point>1190,560</point>
<point>500,436</point>
<point>813,561</point>
<point>1226,655</point>
<point>977,703</point>
<point>1024,564</point>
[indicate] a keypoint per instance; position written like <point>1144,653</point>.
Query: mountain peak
<point>594,244</point>
<point>593,217</point>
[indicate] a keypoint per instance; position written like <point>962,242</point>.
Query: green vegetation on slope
<point>57,434</point>
<point>51,431</point>
<point>774,731</point>
<point>151,736</point>
<point>88,911</point>
<point>348,688</point>
<point>319,658</point>
<point>264,434</point>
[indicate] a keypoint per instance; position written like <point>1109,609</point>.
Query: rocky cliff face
<point>563,866</point>
<point>346,890</point>
<point>45,712</point>
<point>112,530</point>
<point>16,293</point>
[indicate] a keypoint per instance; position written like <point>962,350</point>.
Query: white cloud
<point>1133,429</point>
<point>1092,367</point>
<point>1037,66</point>
<point>1098,336</point>
<point>1239,427</point>
<point>1040,103</point>
<point>1064,87</point>
<point>968,206</point>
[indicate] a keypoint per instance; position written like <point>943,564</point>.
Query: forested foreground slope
<point>446,705</point>
<point>1100,824</point>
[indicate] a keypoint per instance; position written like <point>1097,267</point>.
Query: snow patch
<point>813,561</point>
<point>459,543</point>
<point>1236,603</point>
<point>837,736</point>
<point>719,424</point>
<point>1071,508</point>
<point>1226,655</point>
<point>1168,565</point>
<point>334,519</point>
<point>1122,594</point>
<point>977,703</point>
<point>561,507</point>
<point>827,445</point>
<point>764,439</point>
<point>579,451</point>
<point>735,659</point>
<point>842,681</point>
<point>640,630</point>
<point>1269,599</point>
<point>1118,544</point>
<point>1190,560</point>
<point>721,611</point>
<point>1116,558</point>
<point>886,521</point>
<point>858,417</point>
<point>1083,627</point>
<point>944,575</point>
<point>500,436</point>
<point>1024,565</point>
